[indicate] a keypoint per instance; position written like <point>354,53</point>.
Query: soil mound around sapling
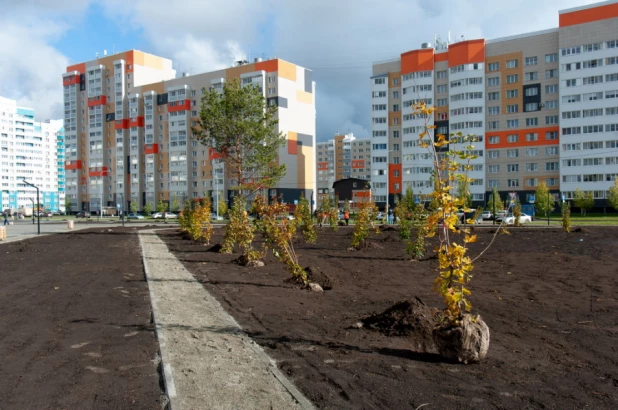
<point>387,228</point>
<point>403,319</point>
<point>315,275</point>
<point>215,248</point>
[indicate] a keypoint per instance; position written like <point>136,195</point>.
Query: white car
<point>523,219</point>
<point>164,215</point>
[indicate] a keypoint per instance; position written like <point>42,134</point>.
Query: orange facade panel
<point>440,57</point>
<point>151,149</point>
<point>292,147</point>
<point>522,140</point>
<point>121,124</point>
<point>359,163</point>
<point>98,100</point>
<point>72,165</point>
<point>394,177</point>
<point>136,122</point>
<point>183,105</point>
<point>603,12</point>
<point>322,166</point>
<point>212,154</point>
<point>466,52</point>
<point>73,79</point>
<point>270,66</point>
<point>80,68</point>
<point>417,60</point>
<point>98,172</point>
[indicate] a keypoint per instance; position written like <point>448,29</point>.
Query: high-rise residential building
<point>344,156</point>
<point>29,150</point>
<point>128,130</point>
<point>542,105</point>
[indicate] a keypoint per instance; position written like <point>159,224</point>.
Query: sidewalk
<point>208,362</point>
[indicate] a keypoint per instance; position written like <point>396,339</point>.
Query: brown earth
<point>75,324</point>
<point>548,297</point>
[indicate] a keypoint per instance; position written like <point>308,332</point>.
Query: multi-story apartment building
<point>29,150</point>
<point>540,104</point>
<point>344,156</point>
<point>128,130</point>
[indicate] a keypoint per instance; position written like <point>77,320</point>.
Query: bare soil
<point>75,324</point>
<point>548,297</point>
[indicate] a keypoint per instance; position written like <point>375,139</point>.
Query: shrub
<point>516,214</point>
<point>239,231</point>
<point>200,227</point>
<point>566,216</point>
<point>367,213</point>
<point>304,222</point>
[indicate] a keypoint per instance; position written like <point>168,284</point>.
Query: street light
<point>38,216</point>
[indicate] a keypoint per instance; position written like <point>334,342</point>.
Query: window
<point>531,91</point>
<point>493,110</point>
<point>551,120</point>
<point>551,166</point>
<point>493,81</point>
<point>512,153</point>
<point>441,74</point>
<point>551,73</point>
<point>494,140</point>
<point>532,152</point>
<point>395,81</point>
<point>395,95</point>
<point>512,138</point>
<point>493,125</point>
<point>493,154</point>
<point>551,58</point>
<point>493,66</point>
<point>551,89</point>
<point>530,61</point>
<point>571,98</point>
<point>512,63</point>
<point>513,183</point>
<point>531,107</point>
<point>511,79</point>
<point>512,168</point>
<point>532,136</point>
<point>395,134</point>
<point>532,122</point>
<point>531,76</point>
<point>513,108</point>
<point>551,104</point>
<point>379,120</point>
<point>512,123</point>
<point>442,88</point>
<point>512,93</point>
<point>395,107</point>
<point>379,81</point>
<point>595,79</point>
<point>532,167</point>
<point>493,96</point>
<point>493,169</point>
<point>378,94</point>
<point>551,150</point>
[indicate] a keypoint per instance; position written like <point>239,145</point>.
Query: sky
<point>337,39</point>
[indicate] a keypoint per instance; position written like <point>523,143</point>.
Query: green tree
<point>495,203</point>
<point>543,201</point>
<point>175,204</point>
<point>67,205</point>
<point>222,207</point>
<point>134,206</point>
<point>147,208</point>
<point>583,200</point>
<point>242,128</point>
<point>613,195</point>
<point>464,195</point>
<point>161,206</point>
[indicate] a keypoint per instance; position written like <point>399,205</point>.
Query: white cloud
<point>30,68</point>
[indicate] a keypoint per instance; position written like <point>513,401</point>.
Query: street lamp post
<point>548,207</point>
<point>33,218</point>
<point>38,214</point>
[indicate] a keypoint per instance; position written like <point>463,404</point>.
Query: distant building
<point>543,105</point>
<point>32,151</point>
<point>344,156</point>
<point>128,126</point>
<point>353,190</point>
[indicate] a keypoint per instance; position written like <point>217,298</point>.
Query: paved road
<point>24,229</point>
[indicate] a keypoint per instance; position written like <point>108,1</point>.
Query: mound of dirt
<point>215,248</point>
<point>405,318</point>
<point>315,274</point>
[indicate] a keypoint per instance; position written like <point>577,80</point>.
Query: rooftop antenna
<point>96,55</point>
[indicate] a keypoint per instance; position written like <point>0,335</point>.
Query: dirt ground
<point>548,297</point>
<point>75,324</point>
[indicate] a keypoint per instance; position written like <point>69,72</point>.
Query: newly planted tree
<point>566,216</point>
<point>328,212</point>
<point>404,213</point>
<point>199,226</point>
<point>222,207</point>
<point>302,217</point>
<point>517,214</point>
<point>495,203</point>
<point>134,206</point>
<point>242,129</point>
<point>367,213</point>
<point>460,335</point>
<point>175,204</point>
<point>161,206</point>
<point>240,231</point>
<point>279,234</point>
<point>147,208</point>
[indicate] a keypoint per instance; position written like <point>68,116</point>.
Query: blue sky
<point>338,40</point>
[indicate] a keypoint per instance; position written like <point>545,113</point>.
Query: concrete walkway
<point>209,363</point>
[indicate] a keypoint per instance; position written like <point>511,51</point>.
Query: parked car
<point>164,215</point>
<point>135,216</point>
<point>214,217</point>
<point>82,214</point>
<point>487,215</point>
<point>523,219</point>
<point>500,215</point>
